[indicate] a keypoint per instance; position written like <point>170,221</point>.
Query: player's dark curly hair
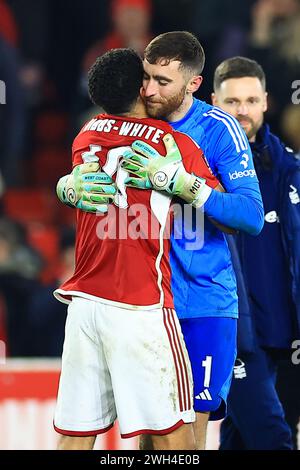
<point>177,45</point>
<point>115,79</point>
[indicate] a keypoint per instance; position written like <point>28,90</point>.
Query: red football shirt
<point>122,257</point>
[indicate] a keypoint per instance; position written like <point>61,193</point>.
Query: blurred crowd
<point>46,49</point>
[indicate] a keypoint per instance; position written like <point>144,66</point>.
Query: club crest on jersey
<point>244,161</point>
<point>294,196</point>
<point>239,370</point>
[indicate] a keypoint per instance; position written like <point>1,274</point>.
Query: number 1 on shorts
<point>207,366</point>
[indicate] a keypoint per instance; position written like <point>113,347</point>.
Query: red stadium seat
<point>51,127</point>
<point>48,165</point>
<point>66,215</point>
<point>45,240</point>
<point>31,205</point>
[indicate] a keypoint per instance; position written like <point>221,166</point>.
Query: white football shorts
<point>123,364</point>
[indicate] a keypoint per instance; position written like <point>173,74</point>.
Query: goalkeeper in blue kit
<point>203,280</point>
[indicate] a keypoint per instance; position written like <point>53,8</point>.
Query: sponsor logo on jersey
<point>294,196</point>
<point>240,174</point>
<point>271,217</point>
<point>239,370</point>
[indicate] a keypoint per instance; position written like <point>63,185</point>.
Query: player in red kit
<point>124,356</point>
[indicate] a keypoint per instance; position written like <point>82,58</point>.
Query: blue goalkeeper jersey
<point>203,279</point>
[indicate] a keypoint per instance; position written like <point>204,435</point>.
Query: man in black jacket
<point>268,268</point>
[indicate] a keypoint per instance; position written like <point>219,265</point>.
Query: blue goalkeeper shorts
<point>211,344</point>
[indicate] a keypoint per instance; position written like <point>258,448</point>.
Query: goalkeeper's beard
<point>166,106</point>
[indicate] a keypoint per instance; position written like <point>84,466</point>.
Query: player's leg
<point>288,386</point>
<point>200,429</point>
<point>211,344</point>
<point>148,442</point>
<point>85,404</point>
<point>254,406</point>
<point>145,442</point>
<point>76,443</point>
<point>181,438</point>
<point>151,376</point>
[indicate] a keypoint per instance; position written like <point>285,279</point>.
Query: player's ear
<point>214,99</point>
<point>142,92</point>
<point>141,105</point>
<point>194,83</point>
<point>265,105</point>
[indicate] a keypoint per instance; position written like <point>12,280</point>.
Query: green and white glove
<point>151,170</point>
<point>87,188</point>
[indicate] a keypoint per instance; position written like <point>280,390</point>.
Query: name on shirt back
<point>126,128</point>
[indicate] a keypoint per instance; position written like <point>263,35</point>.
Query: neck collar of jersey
<point>187,116</point>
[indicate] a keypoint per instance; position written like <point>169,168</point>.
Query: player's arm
<point>150,170</point>
<point>168,173</point>
<point>241,208</point>
<point>86,188</point>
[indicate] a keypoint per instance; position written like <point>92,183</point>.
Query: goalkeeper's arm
<point>242,210</point>
<point>165,173</point>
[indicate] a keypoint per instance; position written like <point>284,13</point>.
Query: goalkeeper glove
<point>86,188</point>
<point>164,173</point>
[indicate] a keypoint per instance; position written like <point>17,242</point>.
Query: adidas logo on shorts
<point>205,395</point>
